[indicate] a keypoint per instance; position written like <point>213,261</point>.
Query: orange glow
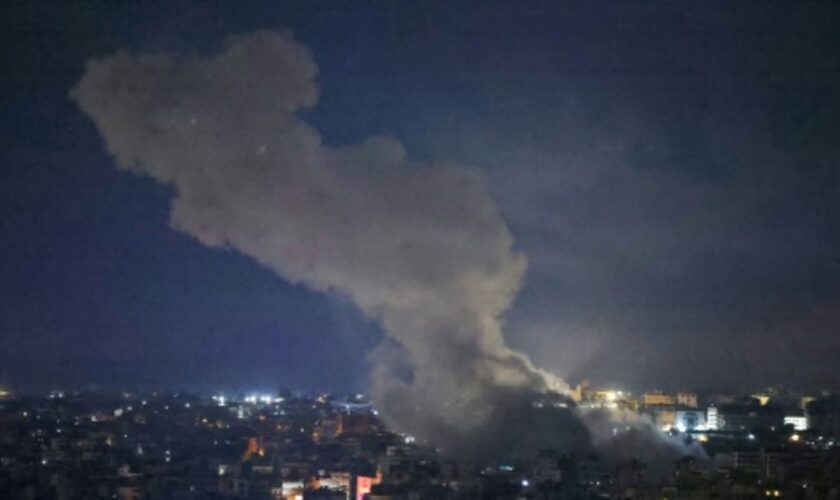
<point>252,449</point>
<point>363,486</point>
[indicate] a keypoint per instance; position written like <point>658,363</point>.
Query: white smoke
<point>421,248</point>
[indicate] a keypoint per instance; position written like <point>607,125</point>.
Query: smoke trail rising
<point>420,248</point>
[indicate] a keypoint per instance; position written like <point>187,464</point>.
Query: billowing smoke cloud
<point>621,435</point>
<point>421,248</point>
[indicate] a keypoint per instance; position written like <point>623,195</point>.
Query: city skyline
<point>668,172</point>
<point>380,250</point>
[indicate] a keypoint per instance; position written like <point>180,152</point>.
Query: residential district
<point>167,445</point>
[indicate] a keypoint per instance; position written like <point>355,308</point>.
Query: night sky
<point>671,170</point>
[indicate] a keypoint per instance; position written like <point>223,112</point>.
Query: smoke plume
<point>420,248</point>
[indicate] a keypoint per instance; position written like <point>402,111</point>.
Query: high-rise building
<point>799,422</point>
<point>712,418</point>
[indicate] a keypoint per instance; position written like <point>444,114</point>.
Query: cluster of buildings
<point>716,413</point>
<point>774,443</point>
<point>132,446</point>
<point>128,446</point>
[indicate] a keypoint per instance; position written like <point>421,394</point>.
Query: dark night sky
<point>671,170</point>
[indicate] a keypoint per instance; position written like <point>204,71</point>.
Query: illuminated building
<point>254,448</point>
<point>604,398</point>
<point>763,398</point>
<point>607,395</point>
<point>687,399</point>
<point>577,393</point>
<point>364,485</point>
<point>665,417</point>
<point>657,398</point>
<point>292,490</point>
<point>326,428</point>
<point>243,413</point>
<point>335,481</point>
<point>799,422</point>
<point>712,418</point>
<point>690,420</point>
